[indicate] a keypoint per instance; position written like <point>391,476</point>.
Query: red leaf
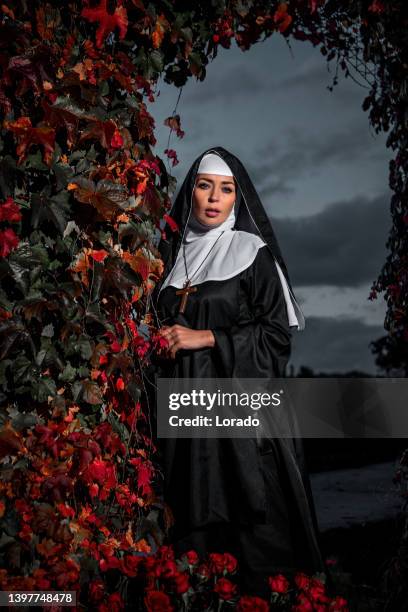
<point>174,124</point>
<point>171,154</point>
<point>8,241</point>
<point>172,224</point>
<point>27,136</point>
<point>99,255</point>
<point>107,197</point>
<point>102,131</point>
<point>11,441</point>
<point>107,22</point>
<point>376,7</point>
<point>116,140</point>
<point>120,384</point>
<point>282,18</point>
<point>10,211</point>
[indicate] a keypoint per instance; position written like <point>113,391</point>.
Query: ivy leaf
<point>143,264</point>
<point>151,200</point>
<point>22,420</point>
<point>156,60</point>
<point>85,348</point>
<point>48,19</point>
<point>65,113</point>
<point>44,388</point>
<point>174,124</point>
<point>34,308</point>
<point>68,374</point>
<point>63,174</point>
<point>119,277</point>
<point>108,198</point>
<point>10,333</point>
<point>101,131</point>
<point>56,209</point>
<point>107,22</point>
<point>11,441</point>
<point>27,136</point>
<point>48,331</point>
<point>8,171</point>
<point>91,393</point>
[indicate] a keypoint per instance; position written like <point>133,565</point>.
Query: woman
<point>226,308</point>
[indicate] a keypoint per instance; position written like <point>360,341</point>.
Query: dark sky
<point>321,172</point>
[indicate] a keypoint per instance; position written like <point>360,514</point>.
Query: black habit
<point>249,497</point>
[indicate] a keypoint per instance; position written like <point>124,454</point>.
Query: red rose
<point>317,591</point>
<point>8,241</point>
<point>96,590</point>
<point>338,604</point>
<point>302,581</point>
<point>216,563</point>
<point>303,604</point>
<point>278,583</point>
<point>150,564</point>
<point>252,604</point>
<point>225,588</point>
<point>192,557</point>
<point>181,582</point>
<point>164,552</point>
<point>157,601</point>
<point>167,569</point>
<point>230,563</point>
<point>115,603</point>
<point>10,211</point>
<point>130,564</point>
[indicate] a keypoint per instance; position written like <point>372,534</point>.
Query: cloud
<point>330,344</point>
<point>343,245</point>
<point>276,167</point>
<point>225,85</point>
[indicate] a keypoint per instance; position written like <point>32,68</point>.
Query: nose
<point>213,196</point>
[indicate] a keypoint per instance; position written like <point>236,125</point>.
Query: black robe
<point>250,497</point>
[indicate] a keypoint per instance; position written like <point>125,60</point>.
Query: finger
<point>166,333</point>
<point>174,348</point>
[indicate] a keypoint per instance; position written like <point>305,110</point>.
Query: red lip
<point>212,210</point>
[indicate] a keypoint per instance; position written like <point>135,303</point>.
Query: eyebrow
<point>211,181</point>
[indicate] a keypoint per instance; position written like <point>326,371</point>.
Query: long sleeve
<point>259,344</point>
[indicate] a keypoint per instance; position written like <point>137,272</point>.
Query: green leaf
<point>35,161</point>
<point>48,331</point>
<point>103,88</point>
<point>134,391</point>
<point>84,347</point>
<point>21,420</point>
<point>56,209</point>
<point>63,174</point>
<point>156,60</point>
<point>83,371</point>
<point>68,374</point>
<point>46,387</point>
<point>23,369</point>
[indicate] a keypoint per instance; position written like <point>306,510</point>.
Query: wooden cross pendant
<point>185,293</point>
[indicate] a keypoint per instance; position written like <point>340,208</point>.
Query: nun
<point>226,308</point>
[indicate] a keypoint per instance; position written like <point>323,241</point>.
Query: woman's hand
<point>181,337</point>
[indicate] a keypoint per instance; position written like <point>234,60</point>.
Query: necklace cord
<point>185,261</point>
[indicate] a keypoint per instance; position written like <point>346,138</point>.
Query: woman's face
<point>213,198</point>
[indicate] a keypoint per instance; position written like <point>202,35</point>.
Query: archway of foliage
<point>82,194</point>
